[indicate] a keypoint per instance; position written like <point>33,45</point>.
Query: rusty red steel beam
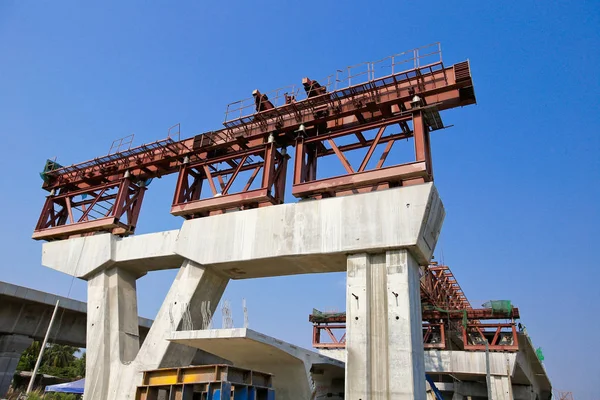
<point>167,156</point>
<point>389,95</point>
<point>119,211</point>
<point>440,288</point>
<point>429,332</point>
<point>409,170</point>
<point>353,181</point>
<point>499,336</point>
<point>433,315</point>
<point>429,329</point>
<point>258,196</point>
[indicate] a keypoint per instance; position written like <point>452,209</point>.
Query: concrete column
<point>500,388</point>
<point>195,287</point>
<point>11,348</point>
<point>385,357</point>
<point>112,329</point>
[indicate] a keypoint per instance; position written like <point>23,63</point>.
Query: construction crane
<point>373,105</point>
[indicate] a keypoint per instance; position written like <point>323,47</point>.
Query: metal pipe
<point>39,360</point>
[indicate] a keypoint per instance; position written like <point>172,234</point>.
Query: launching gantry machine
<point>369,106</point>
<point>449,320</point>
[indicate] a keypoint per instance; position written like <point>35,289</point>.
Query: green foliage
<point>78,367</point>
<point>60,396</point>
<point>38,395</point>
<point>58,360</point>
<point>59,356</point>
<point>35,396</point>
<point>29,357</point>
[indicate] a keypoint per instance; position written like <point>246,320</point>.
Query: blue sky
<point>519,173</point>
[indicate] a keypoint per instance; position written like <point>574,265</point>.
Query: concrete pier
<point>500,388</point>
<point>389,233</point>
<point>385,357</point>
<point>11,348</point>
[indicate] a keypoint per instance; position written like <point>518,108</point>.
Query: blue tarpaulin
<point>69,387</point>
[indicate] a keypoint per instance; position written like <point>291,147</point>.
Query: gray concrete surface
<point>508,370</point>
<point>524,371</point>
<point>288,239</point>
<point>24,317</point>
<point>384,338</point>
<point>297,373</point>
<point>11,348</point>
<point>305,237</point>
<point>118,363</point>
<point>315,236</point>
<point>27,312</point>
<point>463,390</point>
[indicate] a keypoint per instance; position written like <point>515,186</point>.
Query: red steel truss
<point>271,189</point>
<point>368,107</point>
<point>439,288</point>
<point>562,395</point>
<point>500,337</point>
<point>444,306</point>
<point>335,341</point>
<point>434,335</point>
<point>113,206</point>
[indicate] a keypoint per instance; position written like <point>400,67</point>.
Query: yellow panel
<point>198,375</point>
<point>161,377</point>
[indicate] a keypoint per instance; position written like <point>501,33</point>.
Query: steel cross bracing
<point>444,308</point>
<point>440,289</point>
<point>371,107</point>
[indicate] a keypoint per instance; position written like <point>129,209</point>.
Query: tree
<point>59,356</point>
<point>58,360</point>
<point>78,367</point>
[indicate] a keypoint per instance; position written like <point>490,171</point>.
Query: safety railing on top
<point>409,62</point>
<point>121,149</point>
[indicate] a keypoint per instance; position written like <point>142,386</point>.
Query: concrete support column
<point>500,388</point>
<point>385,357</point>
<point>11,348</point>
<point>195,292</point>
<point>195,288</point>
<point>112,329</point>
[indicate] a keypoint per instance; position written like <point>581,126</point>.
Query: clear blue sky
<point>519,173</point>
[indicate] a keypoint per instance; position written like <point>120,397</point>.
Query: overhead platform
<point>294,369</point>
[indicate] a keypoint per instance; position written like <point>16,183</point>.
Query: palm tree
<point>79,366</point>
<point>59,356</point>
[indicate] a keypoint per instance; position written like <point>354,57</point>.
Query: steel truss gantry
<point>368,107</point>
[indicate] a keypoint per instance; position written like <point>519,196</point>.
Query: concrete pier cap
<point>296,238</point>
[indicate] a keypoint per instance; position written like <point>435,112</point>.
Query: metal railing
<point>407,63</point>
